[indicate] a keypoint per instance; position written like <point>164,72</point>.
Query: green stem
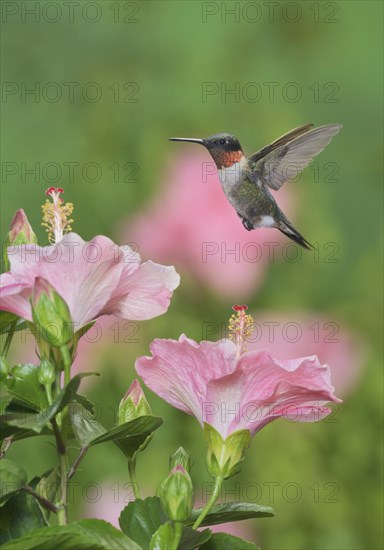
<point>67,364</point>
<point>48,393</point>
<point>132,475</point>
<point>57,385</point>
<point>216,491</point>
<point>47,504</point>
<point>178,531</point>
<point>9,339</point>
<point>63,465</point>
<point>75,465</point>
<point>62,515</point>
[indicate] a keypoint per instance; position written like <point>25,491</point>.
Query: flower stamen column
<point>56,215</point>
<point>240,326</point>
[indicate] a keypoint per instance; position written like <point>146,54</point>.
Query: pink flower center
<point>56,215</point>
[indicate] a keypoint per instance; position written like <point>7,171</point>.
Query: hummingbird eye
<point>222,141</point>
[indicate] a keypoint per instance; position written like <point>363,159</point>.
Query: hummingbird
<point>246,181</point>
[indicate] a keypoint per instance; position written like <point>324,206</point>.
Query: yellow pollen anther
<point>241,326</point>
<point>56,215</point>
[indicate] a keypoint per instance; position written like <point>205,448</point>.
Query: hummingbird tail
<point>293,234</point>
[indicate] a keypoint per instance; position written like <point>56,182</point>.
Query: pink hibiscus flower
<point>94,278</point>
<point>233,391</point>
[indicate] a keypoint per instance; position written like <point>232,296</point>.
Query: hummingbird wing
<point>289,136</point>
<point>291,153</point>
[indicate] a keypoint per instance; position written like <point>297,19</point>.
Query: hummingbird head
<point>225,149</point>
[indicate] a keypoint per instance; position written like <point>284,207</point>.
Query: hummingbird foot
<point>247,224</point>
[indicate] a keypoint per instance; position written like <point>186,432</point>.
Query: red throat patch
<point>225,159</point>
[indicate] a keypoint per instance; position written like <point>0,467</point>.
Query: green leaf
<point>87,403</point>
<point>15,422</point>
<point>26,388</point>
<point>17,434</point>
<point>84,427</point>
<point>21,514</point>
<point>223,541</point>
<point>130,435</point>
<point>233,511</point>
<point>193,539</point>
<point>6,322</point>
<point>83,330</point>
<point>36,422</point>
<point>5,397</point>
<point>6,318</point>
<point>47,486</point>
<point>162,537</point>
<point>12,478</point>
<point>141,519</point>
<point>86,534</point>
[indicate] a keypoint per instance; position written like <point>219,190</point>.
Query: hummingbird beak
<point>192,140</point>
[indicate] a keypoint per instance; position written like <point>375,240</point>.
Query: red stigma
<point>239,308</point>
<point>51,190</point>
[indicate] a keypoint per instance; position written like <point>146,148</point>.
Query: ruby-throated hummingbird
<point>246,180</point>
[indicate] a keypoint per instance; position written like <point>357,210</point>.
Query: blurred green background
<point>167,51</point>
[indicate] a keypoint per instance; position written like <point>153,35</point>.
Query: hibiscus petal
<point>207,381</point>
<point>180,370</point>
<point>83,273</point>
<point>299,387</point>
<point>145,292</point>
<point>14,296</point>
<point>86,275</point>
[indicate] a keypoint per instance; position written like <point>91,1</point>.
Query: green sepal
<point>77,335</point>
<point>224,456</point>
<point>176,494</point>
<point>129,411</point>
<point>50,314</point>
<point>182,457</point>
<point>231,511</point>
<point>46,373</point>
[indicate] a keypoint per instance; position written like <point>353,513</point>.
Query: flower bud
<point>20,233</point>
<point>176,494</point>
<point>4,368</point>
<point>181,457</point>
<point>46,372</point>
<point>133,404</point>
<point>51,314</point>
<point>224,456</point>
